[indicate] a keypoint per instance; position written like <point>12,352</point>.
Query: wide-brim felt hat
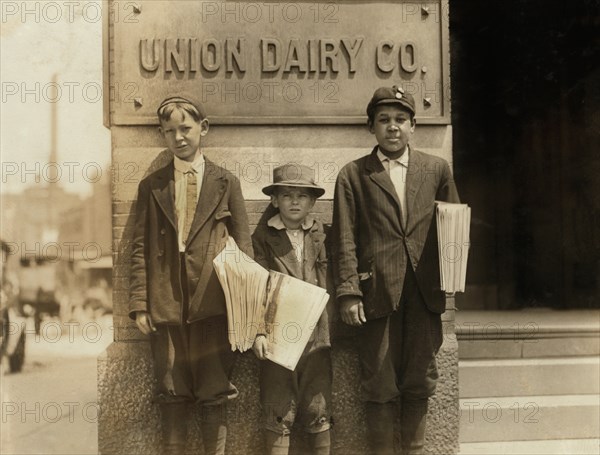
<point>183,97</point>
<point>391,95</point>
<point>296,175</point>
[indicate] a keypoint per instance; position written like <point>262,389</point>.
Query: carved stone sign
<point>265,62</point>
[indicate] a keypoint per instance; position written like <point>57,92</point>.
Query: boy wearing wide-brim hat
<point>386,270</point>
<point>292,242</point>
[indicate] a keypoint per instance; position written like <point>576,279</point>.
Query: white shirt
<point>181,167</point>
<point>397,170</point>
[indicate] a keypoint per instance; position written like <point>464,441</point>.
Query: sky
<point>40,40</point>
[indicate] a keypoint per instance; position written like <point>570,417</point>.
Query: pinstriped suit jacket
<point>371,248</point>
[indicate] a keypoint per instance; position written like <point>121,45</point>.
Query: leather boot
<point>276,443</point>
<point>174,428</point>
<point>413,423</point>
<point>320,443</point>
<point>380,427</point>
<point>214,429</point>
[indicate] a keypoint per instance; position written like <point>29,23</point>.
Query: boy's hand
<point>352,311</point>
<point>144,322</point>
<point>261,347</point>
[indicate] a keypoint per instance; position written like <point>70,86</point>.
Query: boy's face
<point>294,204</point>
<point>393,127</point>
<point>182,134</point>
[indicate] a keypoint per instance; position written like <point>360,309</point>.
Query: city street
<point>51,406</point>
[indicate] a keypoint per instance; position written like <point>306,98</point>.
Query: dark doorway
<point>526,118</point>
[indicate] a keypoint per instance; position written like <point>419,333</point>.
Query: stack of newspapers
<point>282,307</point>
<point>453,224</point>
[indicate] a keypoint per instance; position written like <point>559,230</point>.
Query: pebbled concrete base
<point>129,422</point>
<point>444,413</point>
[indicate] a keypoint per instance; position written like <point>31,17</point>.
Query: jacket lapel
<point>313,242</point>
<point>414,180</point>
<point>211,193</point>
<point>282,249</point>
<point>163,189</point>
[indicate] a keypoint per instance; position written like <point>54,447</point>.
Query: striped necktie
<point>190,202</point>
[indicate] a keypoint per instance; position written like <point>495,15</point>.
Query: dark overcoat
<point>371,247</point>
<point>155,283</point>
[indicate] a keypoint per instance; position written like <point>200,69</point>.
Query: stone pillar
<point>249,138</point>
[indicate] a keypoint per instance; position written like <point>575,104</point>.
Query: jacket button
<point>161,252</point>
<point>163,231</point>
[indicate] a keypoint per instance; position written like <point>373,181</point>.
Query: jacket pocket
<point>366,281</point>
<point>222,214</point>
<point>222,219</point>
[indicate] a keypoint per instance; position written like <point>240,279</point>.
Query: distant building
<point>26,218</point>
<point>73,234</point>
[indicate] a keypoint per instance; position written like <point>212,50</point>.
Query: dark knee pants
<point>397,352</point>
<point>193,362</point>
<point>303,394</point>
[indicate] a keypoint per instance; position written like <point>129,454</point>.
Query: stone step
<point>524,377</point>
<point>527,334</point>
<point>546,447</point>
<point>528,418</point>
<point>493,348</point>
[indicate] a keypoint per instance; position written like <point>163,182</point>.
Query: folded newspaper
<point>453,225</point>
<point>285,308</point>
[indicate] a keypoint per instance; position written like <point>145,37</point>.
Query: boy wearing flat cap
<point>386,270</point>
<point>292,242</point>
<point>184,213</point>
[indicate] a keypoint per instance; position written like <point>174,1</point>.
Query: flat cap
<point>391,95</point>
<point>183,97</point>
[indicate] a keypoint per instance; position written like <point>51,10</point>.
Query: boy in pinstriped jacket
<point>386,270</point>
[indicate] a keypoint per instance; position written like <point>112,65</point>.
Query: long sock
<point>277,444</point>
<point>174,427</point>
<point>413,423</point>
<point>214,429</point>
<point>320,443</point>
<point>380,427</point>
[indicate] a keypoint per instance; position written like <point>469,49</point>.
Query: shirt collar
<point>403,160</point>
<point>185,166</point>
<point>277,223</point>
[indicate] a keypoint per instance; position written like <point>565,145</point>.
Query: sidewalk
<point>51,406</point>
<point>563,447</point>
